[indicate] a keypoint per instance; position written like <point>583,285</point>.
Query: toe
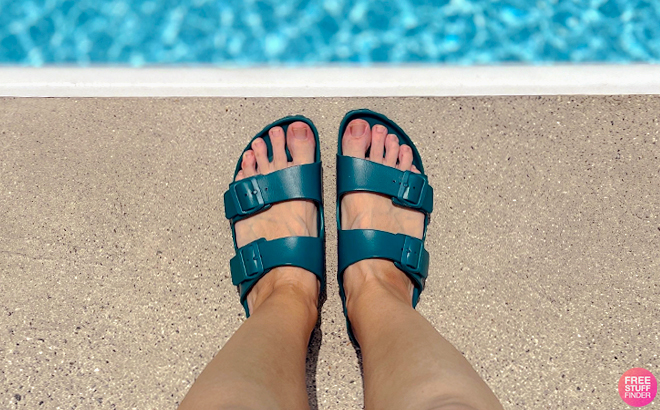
<point>378,135</point>
<point>391,150</point>
<point>356,139</point>
<point>405,158</point>
<point>240,175</point>
<point>301,143</point>
<point>261,154</point>
<point>415,170</point>
<point>279,153</point>
<point>249,164</point>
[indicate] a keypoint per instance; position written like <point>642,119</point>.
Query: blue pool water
<point>303,32</point>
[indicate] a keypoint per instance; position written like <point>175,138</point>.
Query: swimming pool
<point>309,33</point>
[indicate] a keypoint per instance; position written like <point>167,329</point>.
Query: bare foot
<point>372,211</point>
<point>290,218</point>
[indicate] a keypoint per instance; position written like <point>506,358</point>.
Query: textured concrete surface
<point>115,289</point>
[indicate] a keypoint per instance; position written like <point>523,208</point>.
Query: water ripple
<point>294,32</point>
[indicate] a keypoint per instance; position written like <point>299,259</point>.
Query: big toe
<point>301,143</point>
<point>356,139</point>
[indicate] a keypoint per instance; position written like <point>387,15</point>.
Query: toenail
<point>379,128</point>
<point>358,129</point>
<point>300,132</point>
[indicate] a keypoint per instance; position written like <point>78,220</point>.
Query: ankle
<point>290,285</point>
<point>373,279</point>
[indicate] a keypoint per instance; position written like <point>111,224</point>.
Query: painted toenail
<point>357,130</point>
<point>300,132</point>
<point>379,128</point>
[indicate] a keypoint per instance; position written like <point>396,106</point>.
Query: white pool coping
<point>390,81</point>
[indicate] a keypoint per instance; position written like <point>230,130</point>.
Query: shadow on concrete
<point>311,362</point>
<point>358,353</point>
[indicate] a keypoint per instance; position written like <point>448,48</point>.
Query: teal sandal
<point>256,194</point>
<point>407,189</point>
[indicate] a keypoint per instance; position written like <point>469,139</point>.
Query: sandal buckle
<point>411,190</point>
<point>251,259</point>
<point>411,254</point>
<point>247,196</point>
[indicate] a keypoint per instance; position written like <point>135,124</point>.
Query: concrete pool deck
<point>114,250</point>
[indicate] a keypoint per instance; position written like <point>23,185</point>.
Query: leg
<point>262,366</point>
<point>407,363</point>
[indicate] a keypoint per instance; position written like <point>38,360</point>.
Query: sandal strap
<point>406,188</point>
<point>255,194</point>
<point>257,258</point>
<point>407,252</point>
